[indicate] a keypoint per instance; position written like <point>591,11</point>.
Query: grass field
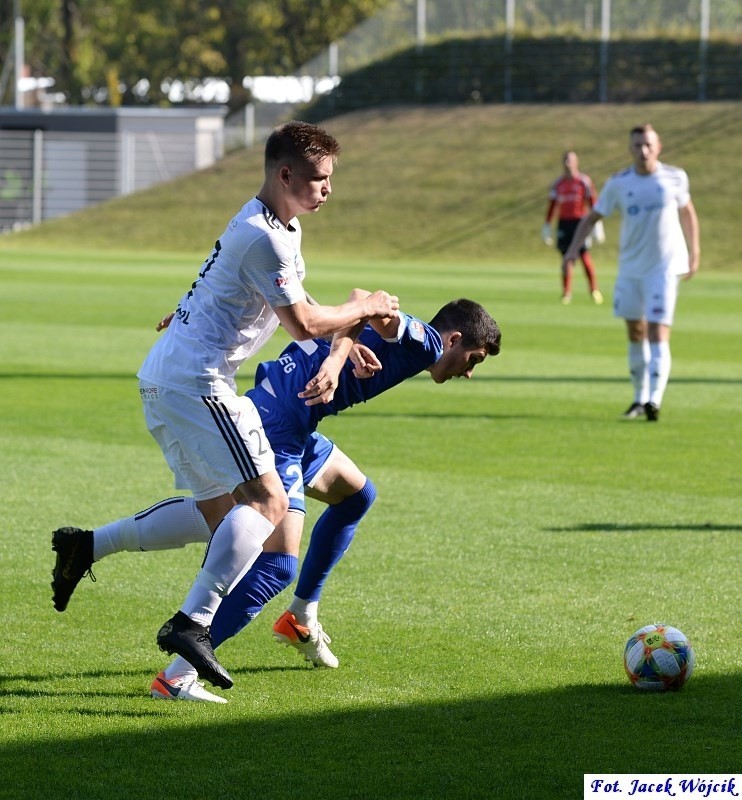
<point>521,534</point>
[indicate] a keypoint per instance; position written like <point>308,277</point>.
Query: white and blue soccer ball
<point>658,657</point>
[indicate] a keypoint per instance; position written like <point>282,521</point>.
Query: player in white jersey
<point>213,439</point>
<point>659,243</point>
<point>458,338</point>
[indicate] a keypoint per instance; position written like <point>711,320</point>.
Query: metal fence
<point>418,23</point>
<point>46,174</point>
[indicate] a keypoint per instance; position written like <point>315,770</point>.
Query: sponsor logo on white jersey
<point>279,280</point>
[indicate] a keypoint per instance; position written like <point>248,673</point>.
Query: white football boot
<point>184,688</point>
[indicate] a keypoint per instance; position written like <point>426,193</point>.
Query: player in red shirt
<point>574,194</point>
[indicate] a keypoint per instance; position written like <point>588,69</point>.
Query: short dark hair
<point>642,129</point>
<point>472,321</point>
<point>300,141</point>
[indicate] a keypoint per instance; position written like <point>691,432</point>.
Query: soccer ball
<point>658,657</point>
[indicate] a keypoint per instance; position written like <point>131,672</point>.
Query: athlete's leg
<point>349,495</point>
<point>567,270</point>
<point>565,231</point>
<point>638,357</point>
<point>273,570</point>
<point>629,305</point>
<point>236,543</point>
<point>589,267</point>
<point>220,439</point>
<point>167,525</point>
<point>660,361</point>
<point>663,293</point>
<point>170,524</point>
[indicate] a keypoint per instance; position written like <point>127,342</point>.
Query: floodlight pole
<point>421,35</point>
<point>605,36</point>
<point>19,55</point>
<point>508,66</point>
<point>333,60</point>
<point>249,124</point>
<point>421,24</point>
<point>704,46</point>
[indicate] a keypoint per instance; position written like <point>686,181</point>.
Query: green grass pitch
<point>521,534</point>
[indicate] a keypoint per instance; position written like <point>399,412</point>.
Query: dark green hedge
<point>541,70</point>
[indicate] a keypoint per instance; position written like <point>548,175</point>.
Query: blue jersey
<point>416,347</point>
<point>290,424</point>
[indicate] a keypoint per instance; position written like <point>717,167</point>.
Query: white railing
<point>46,174</point>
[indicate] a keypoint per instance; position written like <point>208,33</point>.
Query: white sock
<point>179,668</point>
<point>639,370</point>
<point>305,611</point>
<point>659,371</point>
<point>236,543</point>
<point>167,525</point>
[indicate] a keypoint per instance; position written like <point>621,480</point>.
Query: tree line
<point>127,51</point>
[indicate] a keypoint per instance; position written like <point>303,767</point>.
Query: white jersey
<point>651,235</point>
<point>228,313</point>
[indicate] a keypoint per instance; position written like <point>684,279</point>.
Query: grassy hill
<point>435,183</point>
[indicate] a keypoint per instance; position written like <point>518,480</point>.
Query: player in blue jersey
<point>460,336</point>
<point>212,438</point>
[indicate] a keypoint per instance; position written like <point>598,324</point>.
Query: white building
<point>54,162</point>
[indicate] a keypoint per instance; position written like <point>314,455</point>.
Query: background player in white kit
<point>659,243</point>
<point>212,438</point>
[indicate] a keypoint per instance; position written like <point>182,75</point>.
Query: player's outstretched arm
<point>386,327</point>
<point>365,362</point>
<point>305,320</point>
<point>580,234</point>
<point>691,232</point>
<point>546,234</point>
<point>321,389</point>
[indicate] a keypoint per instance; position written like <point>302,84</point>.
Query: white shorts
<point>651,297</point>
<point>212,444</point>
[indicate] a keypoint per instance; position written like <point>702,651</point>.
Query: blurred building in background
<point>55,162</point>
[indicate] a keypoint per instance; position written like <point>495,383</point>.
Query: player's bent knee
<point>275,508</point>
<point>215,509</point>
<point>266,495</point>
<point>368,495</point>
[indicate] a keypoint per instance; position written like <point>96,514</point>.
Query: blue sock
<point>270,574</point>
<point>331,537</point>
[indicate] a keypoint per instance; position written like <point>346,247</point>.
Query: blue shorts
<point>298,470</point>
<point>301,456</point>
